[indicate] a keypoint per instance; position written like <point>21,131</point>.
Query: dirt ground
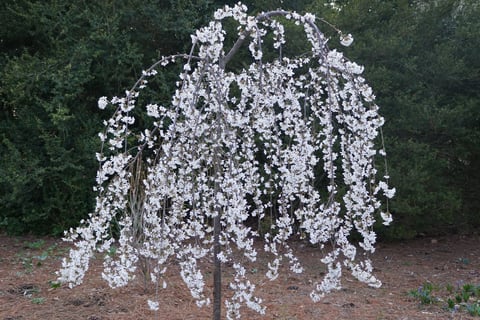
<point>442,265</point>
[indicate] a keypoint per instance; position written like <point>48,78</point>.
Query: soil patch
<point>410,271</point>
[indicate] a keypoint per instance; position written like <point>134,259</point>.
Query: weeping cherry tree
<point>236,144</point>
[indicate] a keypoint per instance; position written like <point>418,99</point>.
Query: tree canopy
<point>239,144</point>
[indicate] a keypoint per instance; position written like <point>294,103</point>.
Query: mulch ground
<point>437,268</point>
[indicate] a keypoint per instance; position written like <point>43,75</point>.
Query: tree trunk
<point>217,272</point>
<point>217,228</point>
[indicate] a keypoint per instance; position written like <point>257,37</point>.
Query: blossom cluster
<point>236,144</point>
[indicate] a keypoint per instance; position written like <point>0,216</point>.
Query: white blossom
<point>153,305</point>
<point>153,111</point>
<point>387,218</point>
<point>346,39</point>
<point>102,103</point>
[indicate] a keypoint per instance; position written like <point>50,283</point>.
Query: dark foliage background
<point>58,57</point>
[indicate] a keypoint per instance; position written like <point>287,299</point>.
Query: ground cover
<point>426,278</point>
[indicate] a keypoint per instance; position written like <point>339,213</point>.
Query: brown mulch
<point>28,265</point>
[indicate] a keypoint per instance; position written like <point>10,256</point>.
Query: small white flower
<point>102,103</point>
<point>153,110</point>
<point>219,14</point>
<point>346,40</point>
<point>387,218</point>
<point>153,305</point>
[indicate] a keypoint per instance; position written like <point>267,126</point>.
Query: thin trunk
<point>217,228</point>
<point>217,272</point>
